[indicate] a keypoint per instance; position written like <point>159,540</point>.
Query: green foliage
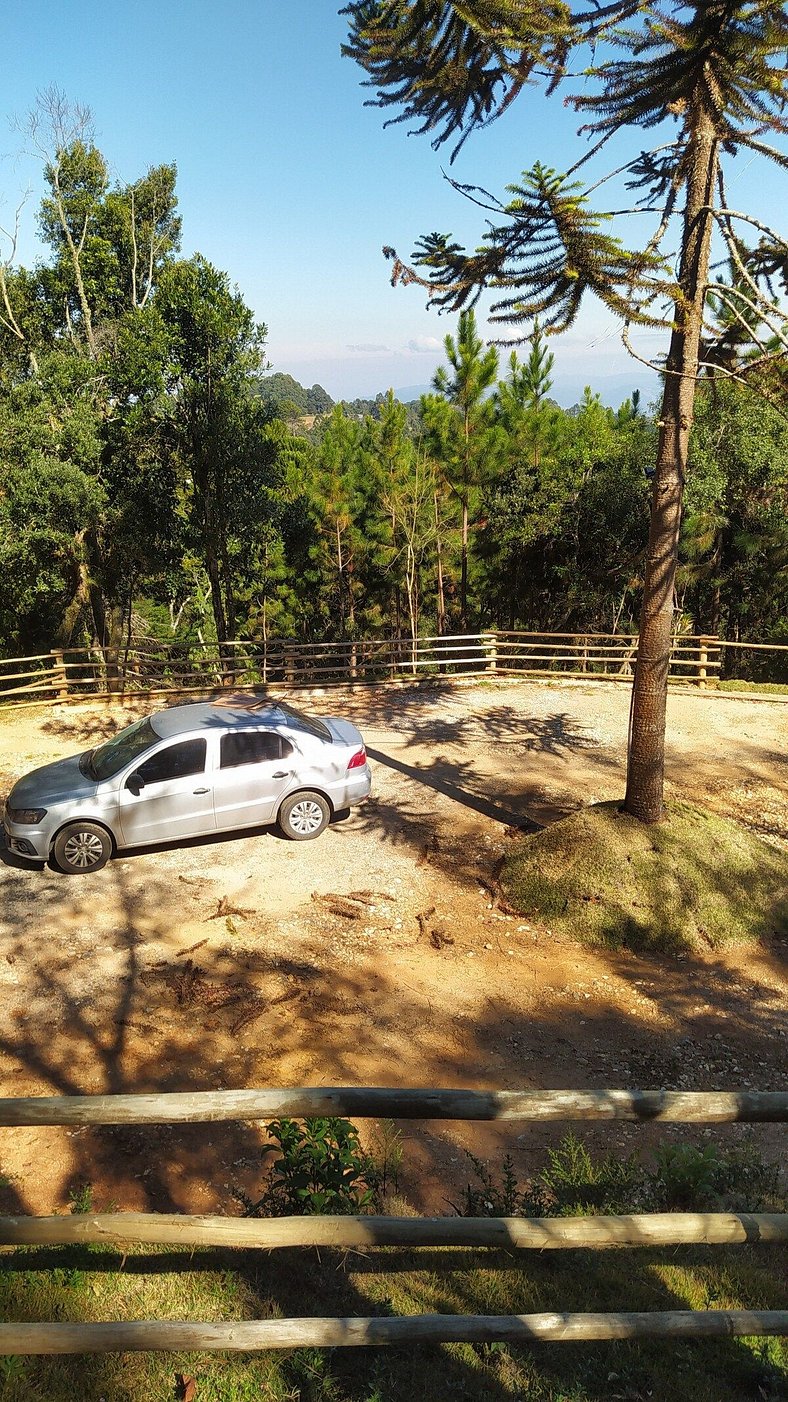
<point>321,1168</point>
<point>287,398</point>
<point>734,577</point>
<point>686,1178</point>
<point>572,1184</point>
<point>453,68</point>
<point>576,1182</point>
<point>155,482</point>
<point>80,1198</point>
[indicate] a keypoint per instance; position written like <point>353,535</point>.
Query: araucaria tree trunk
<point>646,756</point>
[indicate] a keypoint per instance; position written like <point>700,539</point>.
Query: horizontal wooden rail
<point>124,1229</point>
<point>679,1107</point>
<point>247,1336</point>
<point>147,669</point>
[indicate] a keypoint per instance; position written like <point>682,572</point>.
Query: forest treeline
<point>158,482</point>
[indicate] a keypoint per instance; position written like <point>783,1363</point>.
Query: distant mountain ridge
<point>287,396</point>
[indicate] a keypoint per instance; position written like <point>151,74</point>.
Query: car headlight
<point>25,815</point>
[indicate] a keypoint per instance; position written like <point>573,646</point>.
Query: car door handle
<point>201,790</point>
<point>280,774</point>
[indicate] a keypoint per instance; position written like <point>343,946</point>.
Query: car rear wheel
<point>304,816</point>
<point>82,847</point>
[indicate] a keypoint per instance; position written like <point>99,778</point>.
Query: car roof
<point>206,715</point>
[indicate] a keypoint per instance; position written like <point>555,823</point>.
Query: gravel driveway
<point>376,954</point>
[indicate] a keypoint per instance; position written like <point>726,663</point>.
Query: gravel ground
<point>377,954</point>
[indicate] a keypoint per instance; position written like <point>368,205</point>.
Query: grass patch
<point>769,688</point>
<point>94,1283</point>
<point>68,1285</point>
<point>693,880</point>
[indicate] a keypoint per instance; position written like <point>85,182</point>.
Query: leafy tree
<point>219,423</point>
<point>335,489</point>
<point>734,575</point>
<point>716,68</point>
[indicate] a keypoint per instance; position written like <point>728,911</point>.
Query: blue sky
<point>286,180</point>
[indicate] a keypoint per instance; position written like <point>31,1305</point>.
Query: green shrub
<point>691,1179</point>
<point>575,1183</point>
<point>321,1169</point>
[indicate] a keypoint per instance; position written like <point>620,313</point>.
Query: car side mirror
<point>135,784</point>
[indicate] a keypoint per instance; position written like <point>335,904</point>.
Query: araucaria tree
<point>710,79</point>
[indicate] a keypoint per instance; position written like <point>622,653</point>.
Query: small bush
<point>686,1178</point>
<point>321,1169</point>
<point>575,1183</point>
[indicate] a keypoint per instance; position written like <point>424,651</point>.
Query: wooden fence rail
<point>147,668</point>
<point>382,1102</point>
<point>247,1336</point>
<point>536,1234</point>
<point>124,1229</point>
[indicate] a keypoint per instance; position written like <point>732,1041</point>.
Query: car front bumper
<point>28,842</point>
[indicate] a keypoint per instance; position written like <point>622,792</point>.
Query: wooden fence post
<point>490,650</point>
<point>703,657</point>
<point>59,667</point>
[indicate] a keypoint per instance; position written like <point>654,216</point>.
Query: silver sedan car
<point>188,772</point>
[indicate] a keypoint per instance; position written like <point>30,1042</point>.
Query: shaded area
<point>101,1004</point>
<point>442,776</point>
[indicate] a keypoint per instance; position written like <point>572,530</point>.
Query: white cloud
<point>424,345</point>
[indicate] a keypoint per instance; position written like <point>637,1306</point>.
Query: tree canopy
<point>710,79</point>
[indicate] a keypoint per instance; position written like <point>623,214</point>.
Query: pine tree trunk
<point>464,568</point>
<point>646,759</point>
<point>440,622</point>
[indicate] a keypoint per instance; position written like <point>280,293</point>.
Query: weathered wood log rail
<point>248,1336</point>
<point>150,669</point>
<point>380,1102</point>
<point>124,1229</point>
<point>511,1233</point>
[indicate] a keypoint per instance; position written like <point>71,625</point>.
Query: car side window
<point>174,762</point>
<point>251,747</point>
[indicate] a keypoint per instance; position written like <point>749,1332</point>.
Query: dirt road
<point>233,963</point>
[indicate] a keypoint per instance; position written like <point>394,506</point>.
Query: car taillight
<point>359,759</point>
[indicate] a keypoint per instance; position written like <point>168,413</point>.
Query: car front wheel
<point>304,816</point>
<point>82,847</point>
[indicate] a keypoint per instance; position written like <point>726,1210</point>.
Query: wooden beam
<point>123,1229</point>
<point>252,1335</point>
<point>703,1107</point>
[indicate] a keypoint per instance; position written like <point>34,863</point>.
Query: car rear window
<point>299,720</point>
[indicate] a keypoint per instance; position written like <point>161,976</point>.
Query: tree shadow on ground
<point>341,1025</point>
<point>677,1024</point>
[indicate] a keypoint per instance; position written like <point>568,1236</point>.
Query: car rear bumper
<point>354,788</point>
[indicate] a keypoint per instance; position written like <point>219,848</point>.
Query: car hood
<point>61,779</point>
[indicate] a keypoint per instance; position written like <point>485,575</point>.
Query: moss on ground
<point>693,880</point>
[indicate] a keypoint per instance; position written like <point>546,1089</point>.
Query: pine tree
<point>716,69</point>
<point>459,420</point>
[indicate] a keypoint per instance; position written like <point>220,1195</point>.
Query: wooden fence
<point>170,669</point>
<point>644,1229</point>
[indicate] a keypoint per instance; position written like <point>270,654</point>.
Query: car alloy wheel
<point>83,850</point>
<point>306,817</point>
<point>82,847</point>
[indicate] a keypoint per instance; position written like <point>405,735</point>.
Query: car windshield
<point>109,759</point>
<point>298,720</point>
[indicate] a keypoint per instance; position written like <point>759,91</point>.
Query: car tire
<point>80,848</point>
<point>303,816</point>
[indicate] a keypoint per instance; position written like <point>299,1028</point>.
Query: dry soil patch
<point>378,954</point>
